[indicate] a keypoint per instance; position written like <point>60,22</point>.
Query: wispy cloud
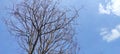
<point>110,35</point>
<point>102,10</point>
<point>112,6</point>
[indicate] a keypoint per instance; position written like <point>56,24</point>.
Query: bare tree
<point>43,27</point>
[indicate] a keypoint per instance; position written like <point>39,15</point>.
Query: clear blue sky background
<point>88,31</point>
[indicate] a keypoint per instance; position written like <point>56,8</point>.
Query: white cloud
<point>111,35</point>
<point>102,10</point>
<point>112,6</point>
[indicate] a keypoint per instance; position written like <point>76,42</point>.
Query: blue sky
<point>98,29</point>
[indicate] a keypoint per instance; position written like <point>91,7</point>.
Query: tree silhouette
<point>43,27</point>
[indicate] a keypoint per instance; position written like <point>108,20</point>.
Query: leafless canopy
<point>43,27</point>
